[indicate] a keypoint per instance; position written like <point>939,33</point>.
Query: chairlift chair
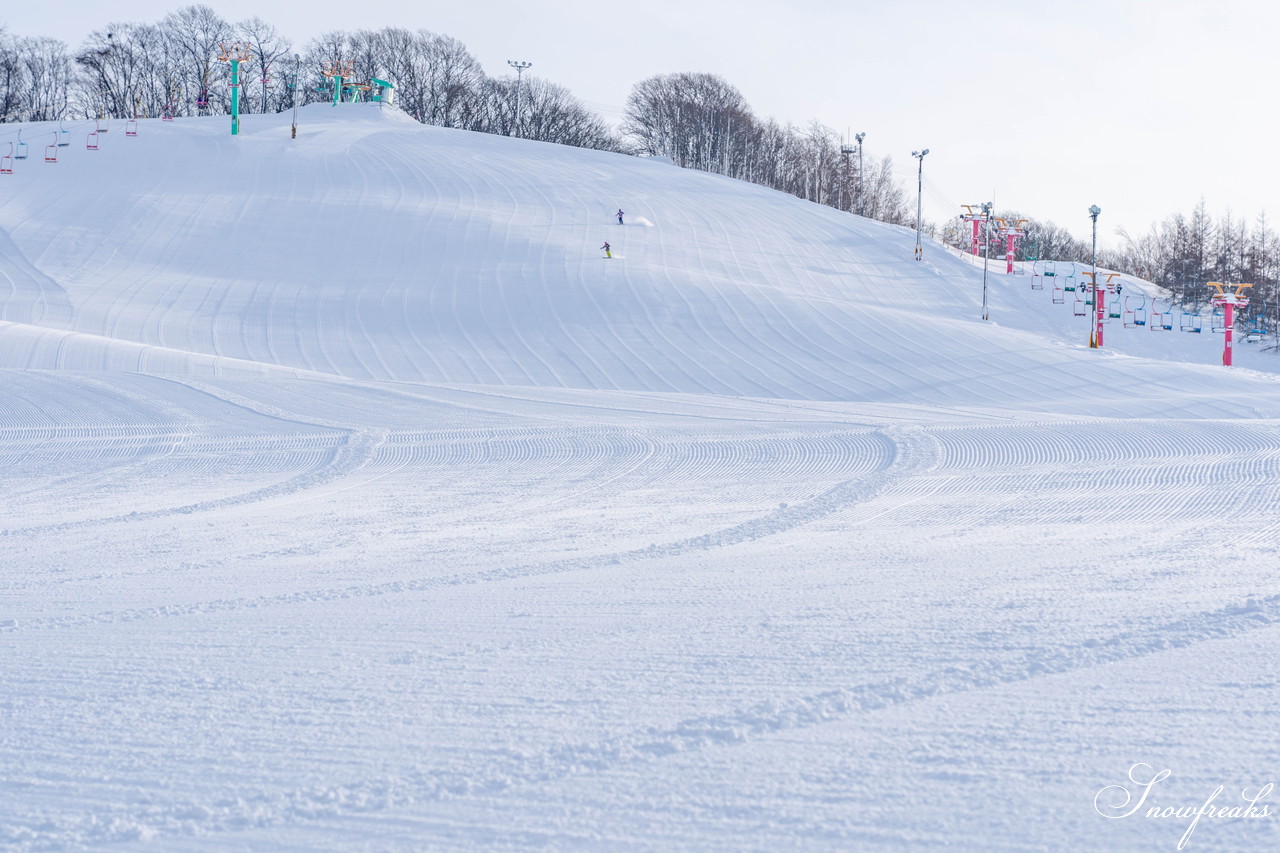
<point>1059,295</point>
<point>62,138</point>
<point>1079,307</point>
<point>1049,268</point>
<point>1191,322</point>
<point>20,151</point>
<point>1135,311</point>
<point>91,141</point>
<point>103,125</point>
<point>1218,321</point>
<point>167,113</point>
<point>131,127</point>
<point>1037,282</point>
<point>51,153</point>
<point>6,162</point>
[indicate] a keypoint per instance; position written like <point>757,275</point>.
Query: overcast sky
<point>1140,107</point>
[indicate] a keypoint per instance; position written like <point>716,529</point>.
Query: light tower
<point>1095,340</point>
<point>297,63</point>
<point>859,137</point>
<point>986,254</point>
<point>919,155</point>
<point>1010,230</point>
<point>235,52</point>
<point>1228,302</point>
<point>519,66</point>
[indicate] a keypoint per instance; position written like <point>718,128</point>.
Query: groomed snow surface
<point>353,501</point>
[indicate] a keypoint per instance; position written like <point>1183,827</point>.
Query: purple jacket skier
<point>607,253</point>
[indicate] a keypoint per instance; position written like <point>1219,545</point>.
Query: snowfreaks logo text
<point>1121,801</point>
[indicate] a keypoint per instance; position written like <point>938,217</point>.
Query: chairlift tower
<point>1094,210</point>
<point>1099,304</point>
<point>336,70</point>
<point>919,155</point>
<point>1228,302</point>
<point>235,52</point>
<point>1010,230</point>
<point>976,219</point>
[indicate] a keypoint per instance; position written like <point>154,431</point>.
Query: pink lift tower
<point>1228,302</point>
<point>1010,230</point>
<point>975,218</point>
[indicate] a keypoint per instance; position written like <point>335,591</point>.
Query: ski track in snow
<point>496,775</point>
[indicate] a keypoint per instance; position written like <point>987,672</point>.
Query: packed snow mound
<point>373,247</point>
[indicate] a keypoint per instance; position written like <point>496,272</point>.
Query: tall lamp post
<point>859,137</point>
<point>519,66</point>
<point>919,155</point>
<point>297,62</point>
<point>1096,332</point>
<point>986,255</point>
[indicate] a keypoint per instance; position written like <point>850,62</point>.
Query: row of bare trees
<point>700,121</point>
<point>172,67</point>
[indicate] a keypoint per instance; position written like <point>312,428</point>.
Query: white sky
<point>1140,107</point>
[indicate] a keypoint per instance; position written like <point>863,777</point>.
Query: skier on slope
<point>607,253</point>
<point>619,215</point>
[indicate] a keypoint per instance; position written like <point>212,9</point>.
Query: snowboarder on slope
<point>607,253</point>
<point>619,215</point>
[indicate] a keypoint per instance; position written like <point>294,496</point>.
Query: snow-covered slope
<point>352,500</point>
<point>377,248</point>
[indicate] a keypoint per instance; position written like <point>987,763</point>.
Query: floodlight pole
<point>297,62</point>
<point>845,202</point>
<point>919,155</point>
<point>986,255</point>
<point>859,137</point>
<point>519,66</point>
<point>1099,301</point>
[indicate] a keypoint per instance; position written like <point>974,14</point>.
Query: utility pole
<point>519,66</point>
<point>919,155</point>
<point>1095,336</point>
<point>986,255</point>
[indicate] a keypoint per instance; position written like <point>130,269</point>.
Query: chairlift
<point>1135,311</point>
<point>51,152</point>
<point>1069,282</point>
<point>1059,296</point>
<point>1218,321</point>
<point>202,100</point>
<point>1258,320</point>
<point>1037,281</point>
<point>1049,268</point>
<point>6,162</point>
<point>131,127</point>
<point>1191,322</point>
<point>103,125</point>
<point>1161,317</point>
<point>1079,306</point>
<point>20,152</point>
<point>91,141</point>
<point>166,114</point>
